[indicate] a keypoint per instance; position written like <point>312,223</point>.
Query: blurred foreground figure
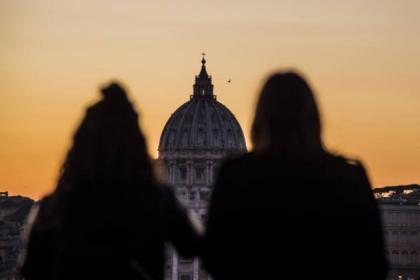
<point>108,217</point>
<point>290,209</point>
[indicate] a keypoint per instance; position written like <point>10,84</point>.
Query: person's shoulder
<point>345,164</point>
<point>44,204</point>
<point>47,200</point>
<point>244,158</point>
<point>238,161</point>
<point>165,189</point>
<point>41,214</point>
<point>165,193</point>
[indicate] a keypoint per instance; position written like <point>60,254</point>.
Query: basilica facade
<point>197,136</point>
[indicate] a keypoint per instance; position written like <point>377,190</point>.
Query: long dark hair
<point>287,120</point>
<point>108,155</point>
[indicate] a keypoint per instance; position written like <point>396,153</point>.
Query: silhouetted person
<point>108,217</point>
<point>290,209</point>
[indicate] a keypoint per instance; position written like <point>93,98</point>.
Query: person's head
<point>109,149</point>
<point>287,120</point>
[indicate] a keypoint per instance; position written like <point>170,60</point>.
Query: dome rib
<point>220,119</point>
<point>167,127</point>
<point>234,123</point>
<point>193,132</point>
<point>209,140</point>
<point>178,135</point>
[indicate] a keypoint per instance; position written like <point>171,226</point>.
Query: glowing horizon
<point>360,58</point>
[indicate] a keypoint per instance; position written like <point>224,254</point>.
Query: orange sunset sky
<point>362,57</point>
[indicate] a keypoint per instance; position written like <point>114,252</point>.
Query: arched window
<point>394,257</point>
<point>404,237</point>
<point>414,260</point>
<point>205,195</point>
<point>386,235</point>
<point>392,218</point>
<point>404,257</point>
<point>199,175</point>
<point>394,236</point>
<point>411,219</point>
<point>192,196</point>
<point>413,237</point>
<point>182,174</point>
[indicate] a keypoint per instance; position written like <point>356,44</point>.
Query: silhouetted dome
<point>202,122</point>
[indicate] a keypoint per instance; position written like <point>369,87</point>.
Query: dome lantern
<point>203,86</point>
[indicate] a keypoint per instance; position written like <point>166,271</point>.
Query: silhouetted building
<point>13,213</point>
<point>197,136</point>
<point>400,208</point>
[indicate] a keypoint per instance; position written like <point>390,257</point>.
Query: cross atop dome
<point>203,60</point>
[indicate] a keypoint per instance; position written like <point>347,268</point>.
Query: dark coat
<point>275,219</point>
<point>121,237</point>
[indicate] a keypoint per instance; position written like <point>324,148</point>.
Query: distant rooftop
<point>398,195</point>
<point>15,208</point>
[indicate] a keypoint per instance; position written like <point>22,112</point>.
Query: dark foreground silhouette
<point>108,217</point>
<point>290,209</point>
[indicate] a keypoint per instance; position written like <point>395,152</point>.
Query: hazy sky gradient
<point>362,58</point>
